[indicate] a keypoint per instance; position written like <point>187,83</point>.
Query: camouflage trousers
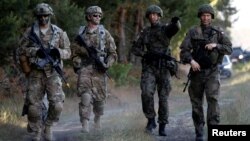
<point>206,82</point>
<point>151,80</point>
<point>38,86</point>
<point>92,89</point>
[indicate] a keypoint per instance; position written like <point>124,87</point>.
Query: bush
<point>119,72</point>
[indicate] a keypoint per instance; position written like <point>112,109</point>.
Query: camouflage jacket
<point>155,38</point>
<point>81,57</point>
<point>197,37</point>
<point>53,38</point>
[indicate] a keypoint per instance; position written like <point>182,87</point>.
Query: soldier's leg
<point>196,93</point>
<point>35,95</point>
<point>164,89</point>
<point>148,87</point>
<point>85,110</point>
<point>98,109</point>
<point>99,92</point>
<point>212,95</point>
<point>56,98</point>
<point>84,85</point>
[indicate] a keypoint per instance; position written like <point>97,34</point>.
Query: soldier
<point>40,39</point>
<point>203,48</point>
<point>152,43</point>
<point>93,52</point>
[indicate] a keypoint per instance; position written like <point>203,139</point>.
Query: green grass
<point>10,119</point>
<point>237,109</point>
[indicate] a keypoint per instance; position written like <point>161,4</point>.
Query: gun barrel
<point>186,84</point>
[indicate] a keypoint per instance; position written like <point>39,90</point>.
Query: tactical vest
<point>157,43</point>
<point>101,48</point>
<point>155,39</point>
<point>205,58</point>
<point>55,36</point>
<point>42,63</point>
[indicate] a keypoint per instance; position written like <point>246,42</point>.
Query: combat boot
<point>85,126</point>
<point>150,125</point>
<point>199,138</point>
<point>37,135</point>
<point>48,133</point>
<point>97,121</point>
<point>199,131</point>
<point>162,130</point>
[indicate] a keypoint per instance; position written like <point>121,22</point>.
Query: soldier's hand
<point>194,65</point>
<point>175,19</point>
<point>105,65</point>
<point>40,54</point>
<point>210,46</point>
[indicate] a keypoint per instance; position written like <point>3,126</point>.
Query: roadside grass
<point>236,92</point>
<point>11,122</point>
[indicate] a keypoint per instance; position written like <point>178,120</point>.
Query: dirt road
<point>124,101</point>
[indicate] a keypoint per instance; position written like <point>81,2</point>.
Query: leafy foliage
<point>69,17</point>
<point>119,72</point>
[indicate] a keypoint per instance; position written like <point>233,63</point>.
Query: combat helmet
<point>205,8</point>
<point>93,9</point>
<point>43,9</point>
<point>154,9</point>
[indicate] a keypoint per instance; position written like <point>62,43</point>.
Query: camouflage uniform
<point>44,80</point>
<point>207,80</point>
<point>92,82</point>
<point>155,70</point>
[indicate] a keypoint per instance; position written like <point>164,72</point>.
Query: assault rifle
<point>93,53</point>
<point>156,55</point>
<point>160,55</point>
<point>47,58</point>
<point>188,80</point>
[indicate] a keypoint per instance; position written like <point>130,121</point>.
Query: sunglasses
<point>40,16</point>
<point>96,15</point>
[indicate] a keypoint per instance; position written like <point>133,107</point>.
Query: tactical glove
<point>175,19</point>
<point>54,53</point>
<point>40,54</point>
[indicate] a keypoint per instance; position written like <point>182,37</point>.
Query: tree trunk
<point>122,52</point>
<point>139,23</point>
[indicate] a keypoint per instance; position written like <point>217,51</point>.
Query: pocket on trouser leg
<point>98,108</point>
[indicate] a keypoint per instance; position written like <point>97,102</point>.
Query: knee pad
<point>54,111</point>
<point>58,107</point>
<point>86,99</point>
<point>34,113</point>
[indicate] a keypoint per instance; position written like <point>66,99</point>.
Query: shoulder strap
<point>218,31</point>
<point>35,29</point>
<point>101,35</point>
<point>81,30</point>
<point>55,31</point>
<point>198,30</point>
